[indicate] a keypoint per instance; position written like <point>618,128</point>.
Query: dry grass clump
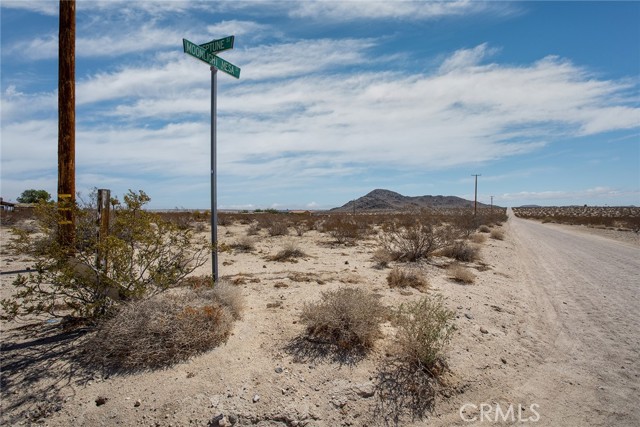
<point>164,330</point>
<point>478,238</point>
<point>347,318</point>
<point>401,278</point>
<point>461,274</point>
<point>244,244</point>
<point>289,252</point>
<point>497,234</point>
<point>461,251</point>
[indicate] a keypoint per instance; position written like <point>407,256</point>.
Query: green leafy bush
<point>142,255</point>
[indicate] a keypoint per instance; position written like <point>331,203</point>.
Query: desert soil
<point>551,326</point>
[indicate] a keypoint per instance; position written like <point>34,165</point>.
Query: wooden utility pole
<point>475,199</point>
<point>67,123</point>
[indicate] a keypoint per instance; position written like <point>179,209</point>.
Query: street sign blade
<point>225,66</point>
<point>197,51</point>
<point>205,56</point>
<point>215,46</point>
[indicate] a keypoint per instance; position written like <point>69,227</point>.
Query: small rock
<point>346,263</point>
<point>138,403</point>
<point>101,400</point>
<point>256,398</point>
<point>264,266</point>
<point>468,316</point>
<point>483,330</point>
<point>278,370</point>
<point>503,360</point>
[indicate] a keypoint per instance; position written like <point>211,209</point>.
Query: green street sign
<point>205,56</point>
<point>227,67</point>
<point>215,46</point>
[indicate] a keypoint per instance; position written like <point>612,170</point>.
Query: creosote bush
<point>347,318</point>
<point>403,278</point>
<point>417,238</point>
<point>166,329</point>
<point>143,255</point>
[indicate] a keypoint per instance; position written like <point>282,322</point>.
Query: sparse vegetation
<point>348,318</point>
<point>403,278</point>
<point>623,217</point>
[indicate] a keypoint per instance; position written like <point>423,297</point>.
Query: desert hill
<point>386,200</point>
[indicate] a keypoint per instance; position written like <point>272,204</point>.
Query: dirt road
<point>584,325</point>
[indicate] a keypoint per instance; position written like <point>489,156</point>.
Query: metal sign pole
<point>214,196</point>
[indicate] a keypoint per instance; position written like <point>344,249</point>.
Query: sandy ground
<point>560,343</point>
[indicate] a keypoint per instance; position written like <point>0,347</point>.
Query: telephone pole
<point>475,199</point>
<point>66,123</point>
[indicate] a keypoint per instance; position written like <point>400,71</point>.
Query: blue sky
<point>335,99</point>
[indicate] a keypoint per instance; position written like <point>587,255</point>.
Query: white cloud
<point>395,9</point>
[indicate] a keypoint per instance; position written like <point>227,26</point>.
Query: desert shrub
<point>402,278</point>
<point>382,258</point>
<point>416,239</point>
<point>424,328</point>
<point>484,229</point>
<point>497,234</point>
<point>253,229</point>
<point>461,251</point>
<point>343,229</point>
<point>225,219</point>
<point>466,223</point>
<point>278,227</point>
<point>460,274</point>
<point>289,252</point>
<point>407,383</point>
<point>478,238</point>
<point>143,255</point>
<point>348,318</point>
<point>244,244</point>
<point>301,227</point>
<point>161,331</point>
